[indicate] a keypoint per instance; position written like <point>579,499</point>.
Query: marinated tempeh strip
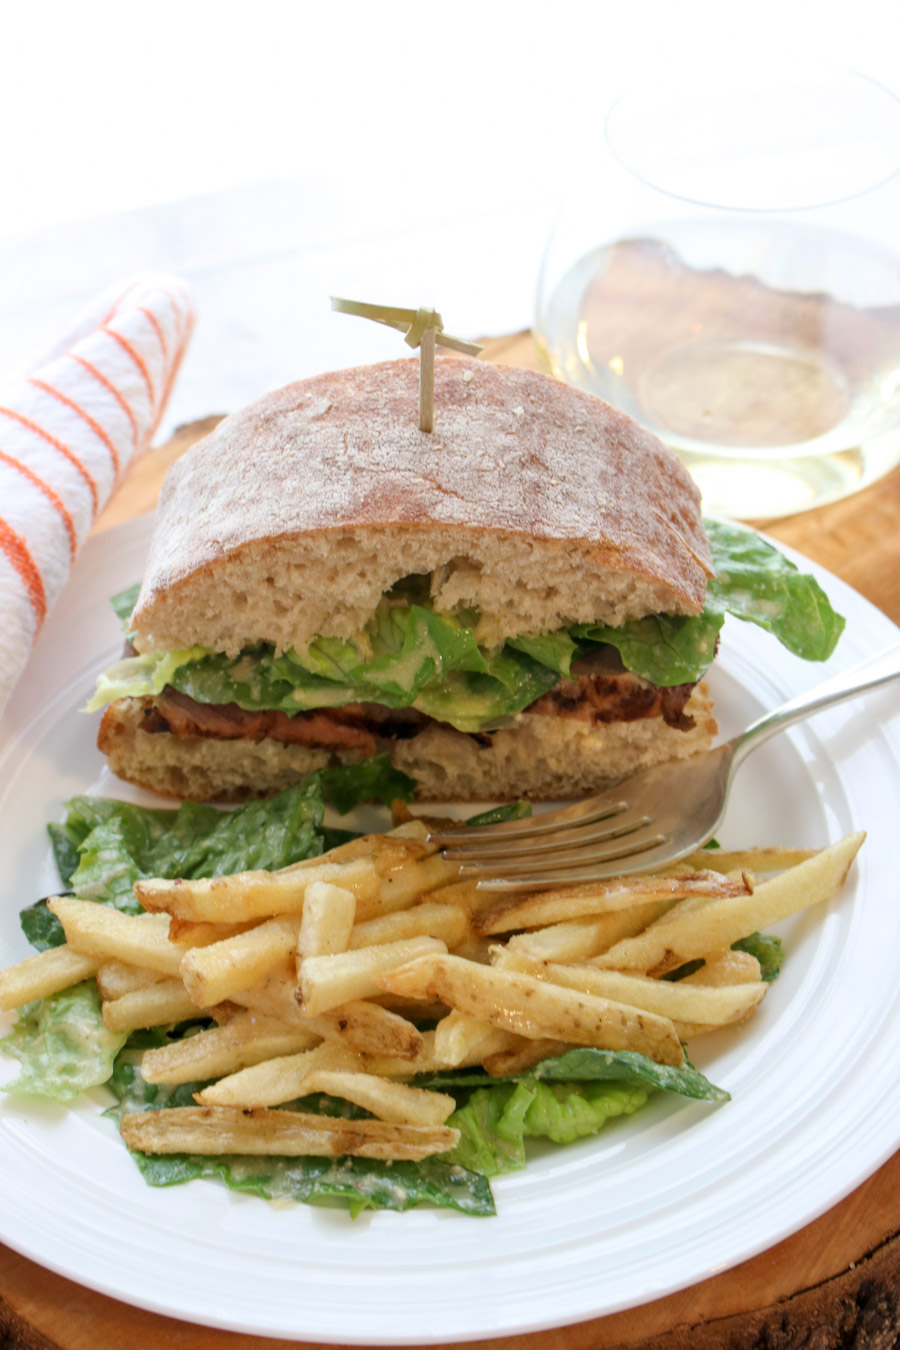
<point>225,1129</point>
<point>534,1008</point>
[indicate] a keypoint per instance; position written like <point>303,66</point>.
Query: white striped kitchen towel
<point>68,432</point>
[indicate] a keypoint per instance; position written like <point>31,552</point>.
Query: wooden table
<point>834,1284</point>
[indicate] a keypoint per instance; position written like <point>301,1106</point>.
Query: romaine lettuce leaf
<point>496,1121</point>
<point>62,1044</point>
<point>105,845</point>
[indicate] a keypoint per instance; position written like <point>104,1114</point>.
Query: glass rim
<point>676,95</point>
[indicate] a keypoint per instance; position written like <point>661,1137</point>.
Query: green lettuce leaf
<point>62,1044</point>
<point>104,846</point>
<point>496,1121</point>
<point>360,1183</point>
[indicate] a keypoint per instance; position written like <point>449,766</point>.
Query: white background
<point>275,152</point>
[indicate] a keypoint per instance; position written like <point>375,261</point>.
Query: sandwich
<point>521,604</point>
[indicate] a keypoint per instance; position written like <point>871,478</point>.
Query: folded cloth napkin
<point>68,432</point>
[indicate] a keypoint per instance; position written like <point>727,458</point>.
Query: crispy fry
<point>709,1005</point>
<point>115,978</point>
<point>273,1081</point>
<point>690,930</point>
<point>449,923</point>
<point>328,981</point>
<point>770,858</point>
<point>726,967</point>
<point>213,973</point>
<point>386,1099</point>
<point>579,939</point>
<point>460,1040</point>
<point>104,932</point>
<point>534,1008</point>
<point>254,895</point>
<point>156,1005</point>
<point>44,974</point>
<point>244,1039</point>
<point>224,1129</point>
<point>328,915</point>
<point>582,901</point>
<point>522,1056</point>
<point>368,1029</point>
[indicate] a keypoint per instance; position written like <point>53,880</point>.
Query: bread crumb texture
<point>533,503</point>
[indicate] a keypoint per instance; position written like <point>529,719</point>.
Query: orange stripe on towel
<point>111,388</point>
<point>77,408</point>
<point>16,550</point>
<point>48,493</point>
<point>57,445</point>
<point>136,358</point>
<point>148,314</point>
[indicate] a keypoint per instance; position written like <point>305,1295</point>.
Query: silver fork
<point>653,818</point>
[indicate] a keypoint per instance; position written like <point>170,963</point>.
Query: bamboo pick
<point>422,328</point>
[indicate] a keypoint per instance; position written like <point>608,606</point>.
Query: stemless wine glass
<point>729,276</point>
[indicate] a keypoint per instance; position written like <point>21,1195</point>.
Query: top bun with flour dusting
<point>327,582</point>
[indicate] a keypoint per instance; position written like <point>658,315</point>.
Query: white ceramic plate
<point>653,1204</point>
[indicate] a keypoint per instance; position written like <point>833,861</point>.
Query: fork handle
<point>869,674</point>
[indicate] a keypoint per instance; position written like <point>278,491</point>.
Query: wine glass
<point>729,276</point>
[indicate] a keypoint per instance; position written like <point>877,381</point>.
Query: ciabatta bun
<point>532,503</point>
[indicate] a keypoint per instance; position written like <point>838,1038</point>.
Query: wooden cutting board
<point>835,1285</point>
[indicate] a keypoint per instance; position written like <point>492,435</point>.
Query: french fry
<point>115,978</point>
<point>104,932</point>
<point>46,973</point>
<point>709,1005</point>
<point>328,915</point>
<point>580,939</point>
<point>368,1029</point>
<point>769,858</point>
<point>223,1129</point>
<point>156,1005</point>
<point>521,1056</point>
<point>213,973</point>
<point>384,1098</point>
<point>405,884</point>
<point>328,981</point>
<point>449,923</point>
<point>689,931</point>
<point>275,995</point>
<point>534,1008</point>
<point>728,967</point>
<point>273,1081</point>
<point>254,895</point>
<point>243,1040</point>
<point>460,1040</point>
<point>588,899</point>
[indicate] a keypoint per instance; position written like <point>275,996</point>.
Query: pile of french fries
<point>318,978</point>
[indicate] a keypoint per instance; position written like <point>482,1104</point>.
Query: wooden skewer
<point>426,380</point>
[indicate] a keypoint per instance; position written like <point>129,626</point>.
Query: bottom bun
<point>540,758</point>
